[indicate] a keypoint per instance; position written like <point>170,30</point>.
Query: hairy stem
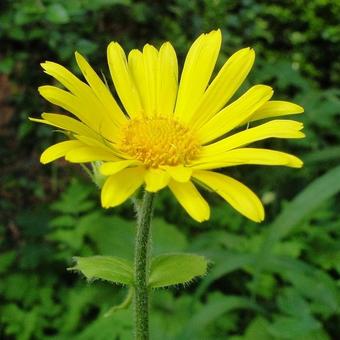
<point>141,301</point>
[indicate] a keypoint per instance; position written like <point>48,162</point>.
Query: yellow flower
<point>170,133</point>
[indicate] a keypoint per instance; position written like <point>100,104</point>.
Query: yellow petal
<point>143,67</point>
<point>90,141</point>
<point>65,123</point>
<point>235,193</point>
<point>101,91</point>
<point>85,99</point>
<point>235,113</point>
<point>276,108</point>
<point>272,129</point>
<point>111,168</point>
<point>65,100</point>
<point>66,78</point>
<point>248,156</point>
<point>119,187</point>
<point>86,154</point>
<point>225,84</point>
<point>167,80</point>
<point>59,150</point>
<point>179,173</point>
<point>89,114</point>
<point>156,179</point>
<point>150,58</point>
<point>198,67</point>
<point>123,81</point>
<point>100,143</point>
<point>191,200</point>
<point>137,71</point>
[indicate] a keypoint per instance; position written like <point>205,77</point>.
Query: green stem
<point>141,300</point>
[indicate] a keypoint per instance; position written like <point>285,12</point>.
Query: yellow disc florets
<point>158,141</point>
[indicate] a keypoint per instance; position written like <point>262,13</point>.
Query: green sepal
<point>108,268</point>
<point>173,269</point>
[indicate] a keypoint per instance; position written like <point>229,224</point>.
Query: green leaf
<point>6,259</point>
<point>115,236</point>
<point>257,330</point>
<point>328,154</point>
<point>302,205</point>
<point>319,334</point>
<point>101,4</point>
<point>118,326</point>
<point>213,310</point>
<point>57,14</point>
<point>75,199</point>
<point>109,268</point>
<point>112,235</point>
<point>293,304</point>
<point>76,300</point>
<point>308,280</point>
<point>292,328</point>
<point>171,269</point>
<point>6,65</point>
<point>224,264</point>
<point>167,237</point>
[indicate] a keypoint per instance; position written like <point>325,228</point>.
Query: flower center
<point>158,141</point>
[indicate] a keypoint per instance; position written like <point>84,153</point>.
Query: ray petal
<point>248,156</point>
<point>240,197</point>
<point>179,173</point>
<point>66,78</point>
<point>156,179</point>
<point>191,200</point>
<point>273,129</point>
<point>167,80</point>
<point>123,81</point>
<point>67,101</point>
<point>231,116</point>
<point>225,84</point>
<point>198,67</point>
<point>66,123</point>
<point>89,114</point>
<point>143,67</point>
<point>114,193</point>
<point>87,154</point>
<point>276,108</point>
<point>111,168</point>
<point>84,94</point>
<point>101,91</point>
<point>59,150</point>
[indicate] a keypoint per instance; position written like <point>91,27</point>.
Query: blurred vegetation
<point>277,280</point>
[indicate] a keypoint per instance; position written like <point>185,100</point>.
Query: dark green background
<point>275,280</point>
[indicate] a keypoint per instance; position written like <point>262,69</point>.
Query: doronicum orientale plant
<point>160,132</point>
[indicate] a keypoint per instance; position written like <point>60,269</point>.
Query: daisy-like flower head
<point>165,132</point>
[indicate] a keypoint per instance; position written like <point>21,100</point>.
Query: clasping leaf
<point>109,268</point>
<point>172,269</point>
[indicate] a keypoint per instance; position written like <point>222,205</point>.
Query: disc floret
<point>158,142</point>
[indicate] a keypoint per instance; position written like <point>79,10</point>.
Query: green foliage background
<point>276,280</point>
